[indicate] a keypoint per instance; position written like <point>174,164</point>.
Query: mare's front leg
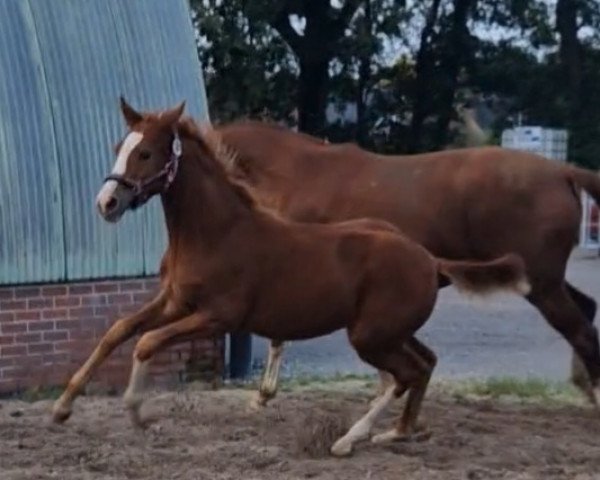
<point>118,333</point>
<point>197,325</point>
<point>270,377</point>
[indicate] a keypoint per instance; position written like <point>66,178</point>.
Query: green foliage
<point>510,50</point>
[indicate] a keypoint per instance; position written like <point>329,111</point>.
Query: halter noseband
<point>141,188</point>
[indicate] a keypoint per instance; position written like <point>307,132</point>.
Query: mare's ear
<point>172,116</point>
<point>129,113</point>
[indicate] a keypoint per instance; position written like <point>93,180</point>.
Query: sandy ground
<point>211,435</point>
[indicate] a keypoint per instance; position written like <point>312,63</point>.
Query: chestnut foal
<point>231,266</point>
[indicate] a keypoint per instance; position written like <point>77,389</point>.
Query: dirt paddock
<point>211,435</point>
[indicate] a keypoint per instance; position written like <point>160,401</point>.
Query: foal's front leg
<point>119,332</point>
<point>270,377</point>
<point>197,325</point>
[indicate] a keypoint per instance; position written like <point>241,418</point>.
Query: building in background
<point>65,274</point>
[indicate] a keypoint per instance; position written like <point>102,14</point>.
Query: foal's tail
<point>481,278</point>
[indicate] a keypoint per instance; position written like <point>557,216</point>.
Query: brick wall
<point>47,331</point>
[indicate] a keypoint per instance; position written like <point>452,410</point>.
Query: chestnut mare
<point>232,266</point>
<point>476,203</point>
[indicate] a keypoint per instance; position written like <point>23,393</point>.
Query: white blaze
<point>108,189</point>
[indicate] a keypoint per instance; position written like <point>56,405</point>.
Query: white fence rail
<point>589,236</point>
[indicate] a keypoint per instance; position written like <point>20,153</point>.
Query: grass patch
<point>34,394</point>
<point>510,388</point>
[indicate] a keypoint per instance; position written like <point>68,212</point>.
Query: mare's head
<point>147,161</point>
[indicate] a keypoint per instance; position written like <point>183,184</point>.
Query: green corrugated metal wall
<point>63,64</point>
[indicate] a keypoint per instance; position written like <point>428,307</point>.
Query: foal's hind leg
<point>579,374</point>
<point>411,369</point>
<point>562,312</point>
<point>270,377</point>
<point>424,361</point>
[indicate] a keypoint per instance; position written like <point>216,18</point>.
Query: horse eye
<point>145,155</point>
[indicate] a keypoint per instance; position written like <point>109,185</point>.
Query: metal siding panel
<point>31,241</point>
<point>164,68</point>
<point>82,61</point>
<point>92,52</point>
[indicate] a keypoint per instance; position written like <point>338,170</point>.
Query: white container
<point>548,142</point>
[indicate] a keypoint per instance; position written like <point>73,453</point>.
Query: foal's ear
<point>172,116</point>
<point>129,113</point>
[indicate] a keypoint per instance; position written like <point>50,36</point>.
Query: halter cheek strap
<point>141,188</point>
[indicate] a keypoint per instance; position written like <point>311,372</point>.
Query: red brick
<point>119,298</point>
<point>8,385</point>
<point>7,339</point>
<point>54,290</point>
<point>142,297</point>
<point>40,303</point>
<point>55,313</point>
<point>13,350</point>
<point>7,293</point>
<point>7,362</point>
<point>106,287</point>
<point>125,310</point>
<point>40,348</point>
<point>56,335</point>
<point>7,317</point>
<point>29,315</point>
<point>27,292</point>
<point>29,337</point>
<point>133,286</point>
<point>80,289</point>
<point>13,304</point>
<point>95,322</point>
<point>67,324</point>
<point>111,312</point>
<point>81,312</point>
<point>83,334</point>
<point>68,346</point>
<point>95,299</point>
<point>13,327</point>
<point>40,326</point>
<point>67,301</point>
<point>55,358</point>
<point>152,284</point>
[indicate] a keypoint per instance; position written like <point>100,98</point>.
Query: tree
<point>314,49</point>
<point>248,69</point>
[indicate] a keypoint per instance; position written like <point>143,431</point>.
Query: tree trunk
<point>312,96</point>
<point>570,51</point>
<point>364,74</point>
<point>423,70</point>
<point>314,49</point>
<point>456,52</point>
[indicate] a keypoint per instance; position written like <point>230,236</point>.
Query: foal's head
<point>147,161</point>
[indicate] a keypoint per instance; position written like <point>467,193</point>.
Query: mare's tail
<point>586,179</point>
<point>504,273</point>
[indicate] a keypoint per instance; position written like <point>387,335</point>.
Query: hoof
<point>396,436</point>
<point>136,419</point>
<point>341,449</point>
<point>258,403</point>
<point>60,414</point>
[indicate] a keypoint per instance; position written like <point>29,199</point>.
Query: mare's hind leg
<point>562,312</point>
<point>270,377</point>
<point>579,375</point>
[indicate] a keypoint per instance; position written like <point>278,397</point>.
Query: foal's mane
<point>224,159</point>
